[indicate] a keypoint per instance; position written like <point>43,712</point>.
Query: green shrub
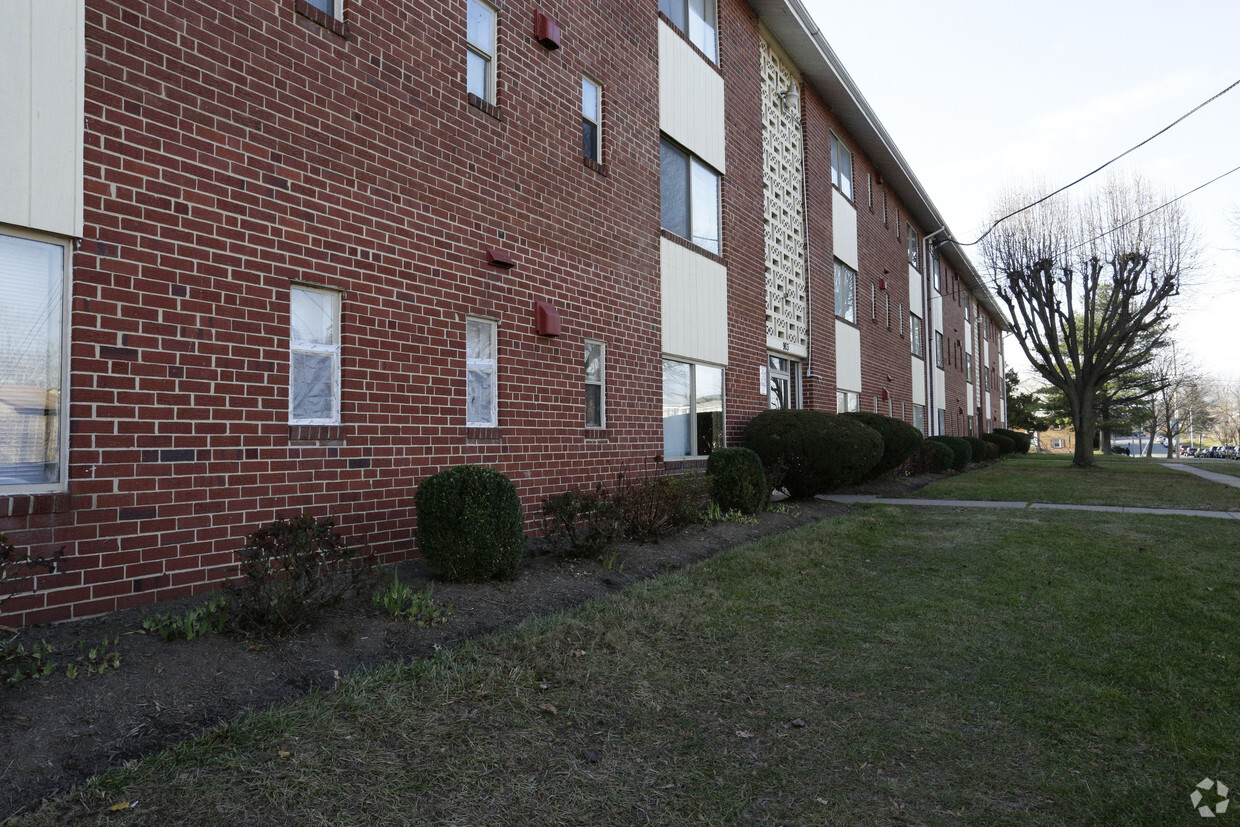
<point>941,456</point>
<point>291,571</point>
<point>1023,440</point>
<point>1006,444</point>
<point>652,505</point>
<point>581,522</point>
<point>980,452</point>
<point>470,525</point>
<point>961,447</point>
<point>900,440</point>
<point>993,451</point>
<point>737,481</point>
<point>816,451</point>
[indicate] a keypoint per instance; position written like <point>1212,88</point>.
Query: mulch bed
<point>56,732</point>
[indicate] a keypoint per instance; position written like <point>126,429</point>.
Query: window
<point>595,394</point>
<point>938,349</point>
<point>919,418</point>
<point>697,19</point>
<point>1057,443</point>
<point>914,247</point>
<point>692,409</point>
<point>845,292</point>
<point>591,120</point>
<point>847,401</point>
<point>481,374</point>
<point>314,345</point>
<point>328,7</point>
<point>968,367</point>
<point>480,74</point>
<point>689,195</point>
<point>914,334</point>
<point>841,166</point>
<point>887,310</point>
<point>936,276</point>
<point>968,310</point>
<point>942,421</point>
<point>970,423</point>
<point>33,378</point>
<point>784,391</point>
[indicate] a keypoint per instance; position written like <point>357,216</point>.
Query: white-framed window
<point>332,8</point>
<point>847,401</point>
<point>970,424</point>
<point>481,374</point>
<point>689,197</point>
<point>841,167</point>
<point>914,247</point>
<point>591,120</point>
<point>942,421</point>
<point>936,271</point>
<point>915,335</point>
<point>314,356</point>
<point>692,408</point>
<point>968,367</point>
<point>968,309</point>
<point>938,349</point>
<point>480,50</point>
<point>698,19</point>
<point>919,418</point>
<point>784,390</point>
<point>34,439</point>
<point>596,385</point>
<point>845,292</point>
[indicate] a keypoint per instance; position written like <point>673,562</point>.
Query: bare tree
<point>1179,399</point>
<point>1088,285</point>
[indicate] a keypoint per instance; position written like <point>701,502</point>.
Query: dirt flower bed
<point>56,732</point>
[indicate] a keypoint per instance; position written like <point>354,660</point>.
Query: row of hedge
<point>470,523</point>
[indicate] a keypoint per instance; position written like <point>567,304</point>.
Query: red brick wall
<point>231,151</point>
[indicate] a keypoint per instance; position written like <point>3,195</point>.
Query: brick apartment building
<point>261,257</point>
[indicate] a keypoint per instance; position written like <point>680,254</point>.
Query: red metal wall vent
<point>500,258</point>
<point>546,319</point>
<point>546,30</point>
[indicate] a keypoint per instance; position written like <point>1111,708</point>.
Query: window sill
<point>689,245</point>
<point>592,164</point>
<point>316,433</point>
<point>322,18</point>
<point>24,505</point>
<point>597,434</point>
<point>484,106</point>
<point>483,436</point>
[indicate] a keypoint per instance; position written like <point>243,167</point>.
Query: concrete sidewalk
<point>864,499</point>
<point>1212,476</point>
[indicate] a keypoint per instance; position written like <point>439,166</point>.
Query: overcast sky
<point>980,96</point>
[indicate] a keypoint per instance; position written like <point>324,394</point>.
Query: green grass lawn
<point>1221,466</point>
<point>1049,478</point>
<point>896,665</point>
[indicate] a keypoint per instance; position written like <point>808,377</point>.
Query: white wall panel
<point>919,380</point>
<point>695,305</point>
<point>691,99</point>
<point>915,303</point>
<point>847,356</point>
<point>42,67</point>
<point>844,229</point>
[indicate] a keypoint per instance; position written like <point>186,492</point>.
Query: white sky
<point>981,95</point>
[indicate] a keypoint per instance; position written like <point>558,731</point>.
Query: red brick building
<point>271,256</point>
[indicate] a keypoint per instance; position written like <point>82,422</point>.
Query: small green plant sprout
<point>210,618</point>
<point>611,563</point>
<point>96,659</point>
<point>403,602</point>
<point>17,663</point>
<point>716,514</point>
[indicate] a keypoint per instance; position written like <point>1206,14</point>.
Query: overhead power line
<point>1104,166</point>
<point>1154,210</point>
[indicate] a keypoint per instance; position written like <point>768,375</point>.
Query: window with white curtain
<point>481,374</point>
<point>314,345</point>
<point>845,292</point>
<point>33,374</point>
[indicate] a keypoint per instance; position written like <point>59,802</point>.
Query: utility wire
<point>1099,169</point>
<point>1154,210</point>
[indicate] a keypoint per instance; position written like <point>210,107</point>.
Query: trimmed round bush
<point>1006,444</point>
<point>737,481</point>
<point>962,449</point>
<point>941,456</point>
<point>1023,440</point>
<point>980,452</point>
<point>812,452</point>
<point>900,440</point>
<point>993,451</point>
<point>470,525</point>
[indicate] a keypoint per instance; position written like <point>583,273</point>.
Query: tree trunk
<point>1106,441</point>
<point>1083,419</point>
<point>1149,449</point>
